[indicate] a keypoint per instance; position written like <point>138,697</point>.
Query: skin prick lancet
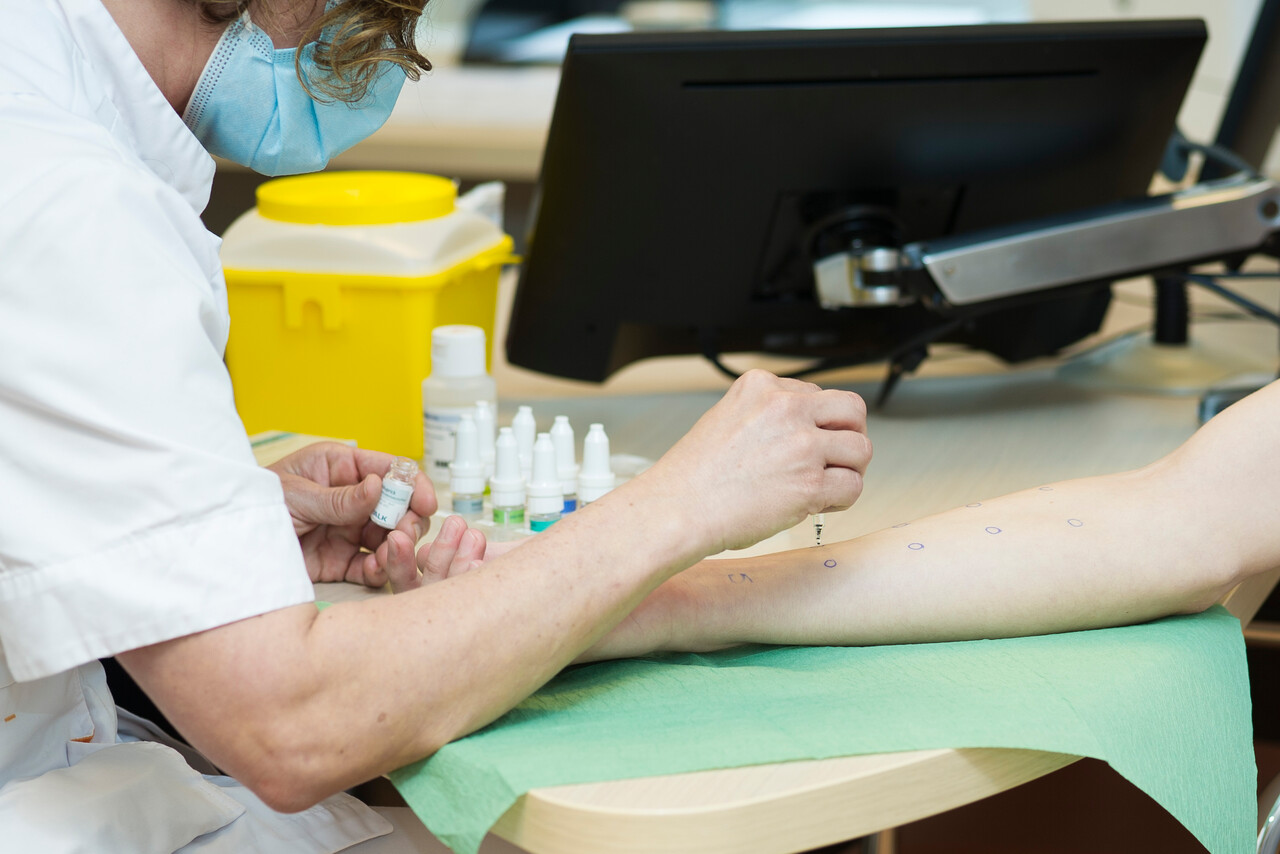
<point>397,489</point>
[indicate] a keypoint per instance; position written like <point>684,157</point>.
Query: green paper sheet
<point>1165,703</point>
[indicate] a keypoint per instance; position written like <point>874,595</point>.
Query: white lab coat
<point>131,509</point>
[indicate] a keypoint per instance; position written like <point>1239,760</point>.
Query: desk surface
<point>942,442</point>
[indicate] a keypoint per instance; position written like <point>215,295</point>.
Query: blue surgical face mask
<point>250,107</point>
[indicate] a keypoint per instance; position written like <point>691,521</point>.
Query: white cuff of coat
<point>153,586</point>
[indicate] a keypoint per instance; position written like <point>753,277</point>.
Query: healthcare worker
<point>135,523</point>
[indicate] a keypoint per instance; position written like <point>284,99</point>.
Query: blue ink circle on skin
<point>828,563</point>
<point>975,504</point>
<point>915,547</point>
<point>1046,489</point>
<point>1075,523</point>
<point>993,530</point>
<point>902,524</point>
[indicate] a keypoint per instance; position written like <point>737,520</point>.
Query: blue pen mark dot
<point>829,563</point>
<point>1075,523</point>
<point>902,524</point>
<point>993,530</point>
<point>915,547</point>
<point>1046,489</point>
<point>975,504</point>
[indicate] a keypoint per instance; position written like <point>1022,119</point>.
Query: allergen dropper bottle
<point>486,424</point>
<point>545,503</point>
<point>457,381</point>
<point>467,472</point>
<point>525,428</point>
<point>596,478</point>
<point>506,487</point>
<point>566,462</point>
<point>397,489</point>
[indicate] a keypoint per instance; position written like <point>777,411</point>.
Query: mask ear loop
<point>240,29</point>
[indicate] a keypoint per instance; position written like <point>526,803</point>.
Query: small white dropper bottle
<point>566,461</point>
<point>466,480</point>
<point>485,428</point>
<point>506,487</point>
<point>525,428</point>
<point>596,477</point>
<point>545,502</point>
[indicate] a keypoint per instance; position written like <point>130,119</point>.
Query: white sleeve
<point>131,508</point>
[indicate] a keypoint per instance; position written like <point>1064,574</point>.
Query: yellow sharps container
<point>334,282</point>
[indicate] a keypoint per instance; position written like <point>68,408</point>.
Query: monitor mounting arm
<point>1212,221</point>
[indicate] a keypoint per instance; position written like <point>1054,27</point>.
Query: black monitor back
<point>687,177</point>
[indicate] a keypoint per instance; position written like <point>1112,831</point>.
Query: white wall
<point>1230,23</point>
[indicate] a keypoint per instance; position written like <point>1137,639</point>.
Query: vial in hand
<point>397,488</point>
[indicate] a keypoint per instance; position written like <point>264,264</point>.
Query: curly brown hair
<point>351,40</point>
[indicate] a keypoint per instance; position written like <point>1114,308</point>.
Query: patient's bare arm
<point>1172,537</point>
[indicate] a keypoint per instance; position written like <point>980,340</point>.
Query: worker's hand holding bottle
<point>331,489</point>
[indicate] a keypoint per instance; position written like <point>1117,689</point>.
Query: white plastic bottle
<point>457,381</point>
<point>566,461</point>
<point>525,428</point>
<point>596,478</point>
<point>486,430</point>
<point>506,487</point>
<point>544,498</point>
<point>467,471</point>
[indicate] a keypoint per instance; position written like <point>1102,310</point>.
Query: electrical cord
<point>1180,146</point>
<point>1210,283</point>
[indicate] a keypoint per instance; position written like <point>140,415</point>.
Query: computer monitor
<point>690,179</point>
<point>1252,113</point>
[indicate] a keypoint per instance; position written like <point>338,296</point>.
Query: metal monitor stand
<point>1168,360</point>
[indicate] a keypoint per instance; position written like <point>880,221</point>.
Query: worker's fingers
<point>401,567</point>
<point>470,554</point>
<point>840,488</point>
<point>312,505</point>
<point>455,550</point>
<point>834,409</point>
<point>845,449</point>
<point>437,558</point>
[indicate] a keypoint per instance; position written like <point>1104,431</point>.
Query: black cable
<point>1213,151</point>
<point>1275,275</point>
<point>1208,283</point>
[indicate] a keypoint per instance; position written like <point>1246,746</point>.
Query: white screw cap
<point>457,351</point>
